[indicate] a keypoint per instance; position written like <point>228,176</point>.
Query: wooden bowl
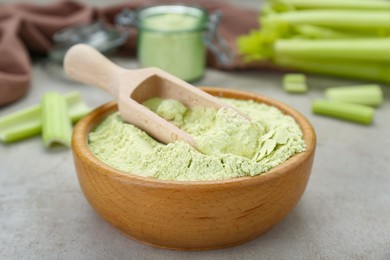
<point>192,215</point>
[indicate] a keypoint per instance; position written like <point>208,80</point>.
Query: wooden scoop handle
<point>87,65</point>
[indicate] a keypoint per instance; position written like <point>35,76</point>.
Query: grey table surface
<point>343,214</point>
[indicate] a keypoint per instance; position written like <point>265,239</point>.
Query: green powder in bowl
<point>228,145</point>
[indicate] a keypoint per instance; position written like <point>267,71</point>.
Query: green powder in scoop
<point>228,145</point>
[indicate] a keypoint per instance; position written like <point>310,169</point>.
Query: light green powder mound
<point>229,146</point>
<point>230,129</point>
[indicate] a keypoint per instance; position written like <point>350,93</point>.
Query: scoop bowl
<point>192,215</point>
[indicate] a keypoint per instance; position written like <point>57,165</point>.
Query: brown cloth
<point>28,28</point>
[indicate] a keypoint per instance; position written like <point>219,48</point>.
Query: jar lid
<point>172,18</point>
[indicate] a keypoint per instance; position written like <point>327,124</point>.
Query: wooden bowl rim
<point>84,126</point>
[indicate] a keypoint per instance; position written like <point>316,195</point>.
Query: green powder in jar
<point>173,42</point>
<point>228,145</point>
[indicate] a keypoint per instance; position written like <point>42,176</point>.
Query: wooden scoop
<point>132,87</point>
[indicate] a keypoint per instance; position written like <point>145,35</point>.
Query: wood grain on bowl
<point>193,215</point>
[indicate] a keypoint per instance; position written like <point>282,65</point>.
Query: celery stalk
<point>347,69</point>
<point>21,124</point>
<point>370,95</point>
<point>377,22</point>
<point>374,50</point>
<point>294,83</point>
<point>262,45</point>
<point>379,5</point>
<point>340,38</point>
<point>56,124</point>
<point>317,32</point>
<point>347,111</point>
<point>27,122</point>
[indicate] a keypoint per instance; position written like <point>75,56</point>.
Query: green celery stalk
<point>341,38</point>
<point>379,5</point>
<point>27,122</point>
<point>370,95</point>
<point>294,83</point>
<point>317,32</point>
<point>265,44</point>
<point>373,50</point>
<point>56,124</point>
<point>347,111</point>
<point>347,69</point>
<point>374,22</point>
<point>21,124</point>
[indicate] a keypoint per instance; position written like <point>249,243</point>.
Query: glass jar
<point>171,37</point>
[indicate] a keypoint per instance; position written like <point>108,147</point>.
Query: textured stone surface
<point>344,213</point>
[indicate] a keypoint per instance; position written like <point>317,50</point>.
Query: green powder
<point>228,145</point>
<point>169,41</point>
